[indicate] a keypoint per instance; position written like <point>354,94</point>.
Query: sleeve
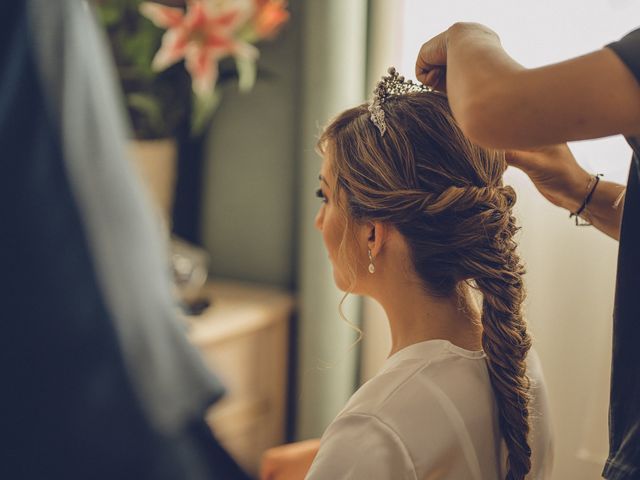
<point>628,49</point>
<point>361,446</point>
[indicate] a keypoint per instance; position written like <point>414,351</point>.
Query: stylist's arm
<point>500,104</point>
<point>468,62</point>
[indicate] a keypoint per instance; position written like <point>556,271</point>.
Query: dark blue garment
<point>68,406</point>
<point>624,409</point>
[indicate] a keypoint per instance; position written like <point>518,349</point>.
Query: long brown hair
<point>446,197</point>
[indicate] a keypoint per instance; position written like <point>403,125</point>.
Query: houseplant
<point>171,56</point>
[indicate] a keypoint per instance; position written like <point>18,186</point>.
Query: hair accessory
<point>372,267</point>
<point>391,85</point>
<point>593,183</point>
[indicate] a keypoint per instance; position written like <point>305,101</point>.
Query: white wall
<point>571,270</point>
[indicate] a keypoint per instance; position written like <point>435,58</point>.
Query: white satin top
<point>430,413</point>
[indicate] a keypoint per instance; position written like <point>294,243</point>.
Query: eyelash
<point>320,194</point>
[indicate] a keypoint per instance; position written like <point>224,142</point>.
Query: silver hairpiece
<point>391,85</point>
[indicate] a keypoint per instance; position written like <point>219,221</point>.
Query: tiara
<point>391,85</point>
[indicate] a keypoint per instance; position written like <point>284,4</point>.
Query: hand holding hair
<point>432,61</point>
<point>555,173</point>
<point>560,179</point>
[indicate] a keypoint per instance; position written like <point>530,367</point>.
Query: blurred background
<point>231,167</point>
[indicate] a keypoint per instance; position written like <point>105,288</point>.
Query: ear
<point>376,236</point>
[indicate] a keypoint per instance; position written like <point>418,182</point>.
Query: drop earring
<point>372,267</point>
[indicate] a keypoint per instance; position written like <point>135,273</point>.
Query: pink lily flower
<point>203,35</point>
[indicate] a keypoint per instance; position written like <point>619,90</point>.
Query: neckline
<point>428,349</point>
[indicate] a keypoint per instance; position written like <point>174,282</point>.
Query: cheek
<point>332,231</point>
<point>323,224</point>
<point>317,222</point>
<point>342,262</point>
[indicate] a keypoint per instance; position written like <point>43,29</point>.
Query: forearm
<point>500,104</point>
<point>604,210</point>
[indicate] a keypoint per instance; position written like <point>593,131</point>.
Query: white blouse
<point>429,413</point>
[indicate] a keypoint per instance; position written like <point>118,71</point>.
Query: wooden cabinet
<point>244,337</point>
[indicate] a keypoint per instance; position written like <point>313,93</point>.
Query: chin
<point>340,280</point>
<point>343,284</point>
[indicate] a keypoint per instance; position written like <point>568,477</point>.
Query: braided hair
<point>446,197</point>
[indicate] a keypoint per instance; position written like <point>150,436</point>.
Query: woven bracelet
<point>592,188</point>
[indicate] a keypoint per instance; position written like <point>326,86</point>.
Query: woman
<point>416,217</point>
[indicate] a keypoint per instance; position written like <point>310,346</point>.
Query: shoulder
<point>413,381</point>
<point>427,391</point>
<point>360,445</point>
<point>415,416</point>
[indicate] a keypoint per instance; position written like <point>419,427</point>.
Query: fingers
<point>513,158</point>
<point>433,56</point>
<point>437,79</point>
<point>431,61</point>
<point>530,162</point>
<point>545,154</point>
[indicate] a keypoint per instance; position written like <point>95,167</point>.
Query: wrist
<point>577,188</point>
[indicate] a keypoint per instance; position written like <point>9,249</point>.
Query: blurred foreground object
<point>104,383</point>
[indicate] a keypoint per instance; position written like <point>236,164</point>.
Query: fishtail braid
<point>498,273</point>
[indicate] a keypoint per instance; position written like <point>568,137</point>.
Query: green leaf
<point>203,108</point>
<point>147,105</point>
<point>247,72</point>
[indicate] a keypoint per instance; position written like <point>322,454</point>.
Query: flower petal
<point>227,20</point>
<point>270,18</point>
<point>203,68</point>
<point>174,45</point>
<point>217,41</point>
<point>161,15</point>
<point>197,15</point>
<point>245,50</point>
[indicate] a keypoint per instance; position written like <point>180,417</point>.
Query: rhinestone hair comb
<point>393,84</point>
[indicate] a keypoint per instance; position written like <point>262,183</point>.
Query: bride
<point>417,217</point>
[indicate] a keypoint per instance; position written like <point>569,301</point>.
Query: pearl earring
<point>372,267</point>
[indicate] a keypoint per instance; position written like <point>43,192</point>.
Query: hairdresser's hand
<point>289,462</point>
<point>555,173</point>
<point>431,65</point>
